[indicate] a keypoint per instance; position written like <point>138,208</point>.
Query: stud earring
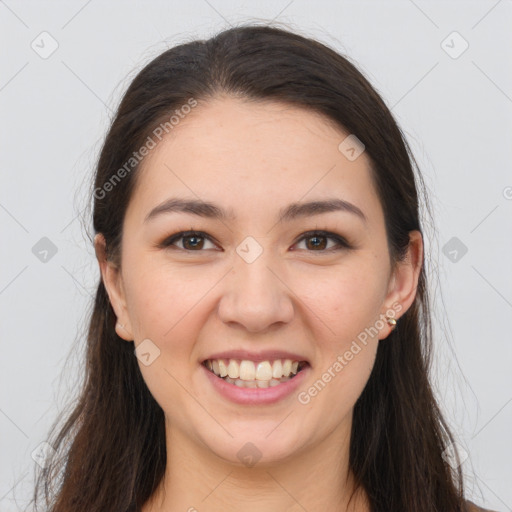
<point>391,321</point>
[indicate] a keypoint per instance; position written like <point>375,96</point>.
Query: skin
<point>255,158</point>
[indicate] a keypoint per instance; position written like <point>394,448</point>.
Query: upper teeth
<point>249,370</point>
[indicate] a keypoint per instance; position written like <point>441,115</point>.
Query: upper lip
<point>264,355</point>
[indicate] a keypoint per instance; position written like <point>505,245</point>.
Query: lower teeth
<point>256,383</point>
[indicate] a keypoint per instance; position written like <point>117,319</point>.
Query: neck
<point>317,478</point>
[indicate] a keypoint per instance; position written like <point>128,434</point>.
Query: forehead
<point>253,158</point>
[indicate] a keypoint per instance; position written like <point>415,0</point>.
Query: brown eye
<point>191,241</point>
<point>317,241</point>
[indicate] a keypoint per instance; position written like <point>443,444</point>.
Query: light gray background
<point>455,112</point>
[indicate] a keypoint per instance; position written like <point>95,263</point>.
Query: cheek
<point>162,301</point>
<point>166,308</point>
<point>344,309</point>
<point>346,302</point>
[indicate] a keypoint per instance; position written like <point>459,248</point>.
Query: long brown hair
<point>110,453</point>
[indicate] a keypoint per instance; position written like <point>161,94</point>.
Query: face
<point>314,284</point>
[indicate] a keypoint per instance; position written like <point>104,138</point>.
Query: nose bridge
<point>257,296</point>
<point>255,276</point>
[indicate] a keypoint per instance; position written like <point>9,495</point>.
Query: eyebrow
<point>289,213</point>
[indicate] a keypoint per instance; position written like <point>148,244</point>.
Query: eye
<point>192,240</point>
<point>317,241</point>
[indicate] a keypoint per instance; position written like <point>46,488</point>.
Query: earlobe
<point>112,281</point>
<point>122,332</point>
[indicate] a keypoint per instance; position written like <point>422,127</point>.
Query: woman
<point>261,333</point>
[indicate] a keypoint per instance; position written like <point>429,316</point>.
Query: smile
<point>250,374</point>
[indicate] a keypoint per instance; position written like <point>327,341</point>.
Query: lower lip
<point>256,396</point>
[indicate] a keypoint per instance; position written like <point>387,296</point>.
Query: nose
<point>257,296</point>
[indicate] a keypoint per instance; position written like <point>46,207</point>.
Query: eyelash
<point>341,242</point>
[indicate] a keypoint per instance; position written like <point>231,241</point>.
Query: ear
<point>112,280</point>
<point>404,281</point>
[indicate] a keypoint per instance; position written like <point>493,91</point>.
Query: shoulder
<point>471,507</point>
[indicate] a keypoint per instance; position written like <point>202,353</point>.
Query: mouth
<point>255,374</point>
